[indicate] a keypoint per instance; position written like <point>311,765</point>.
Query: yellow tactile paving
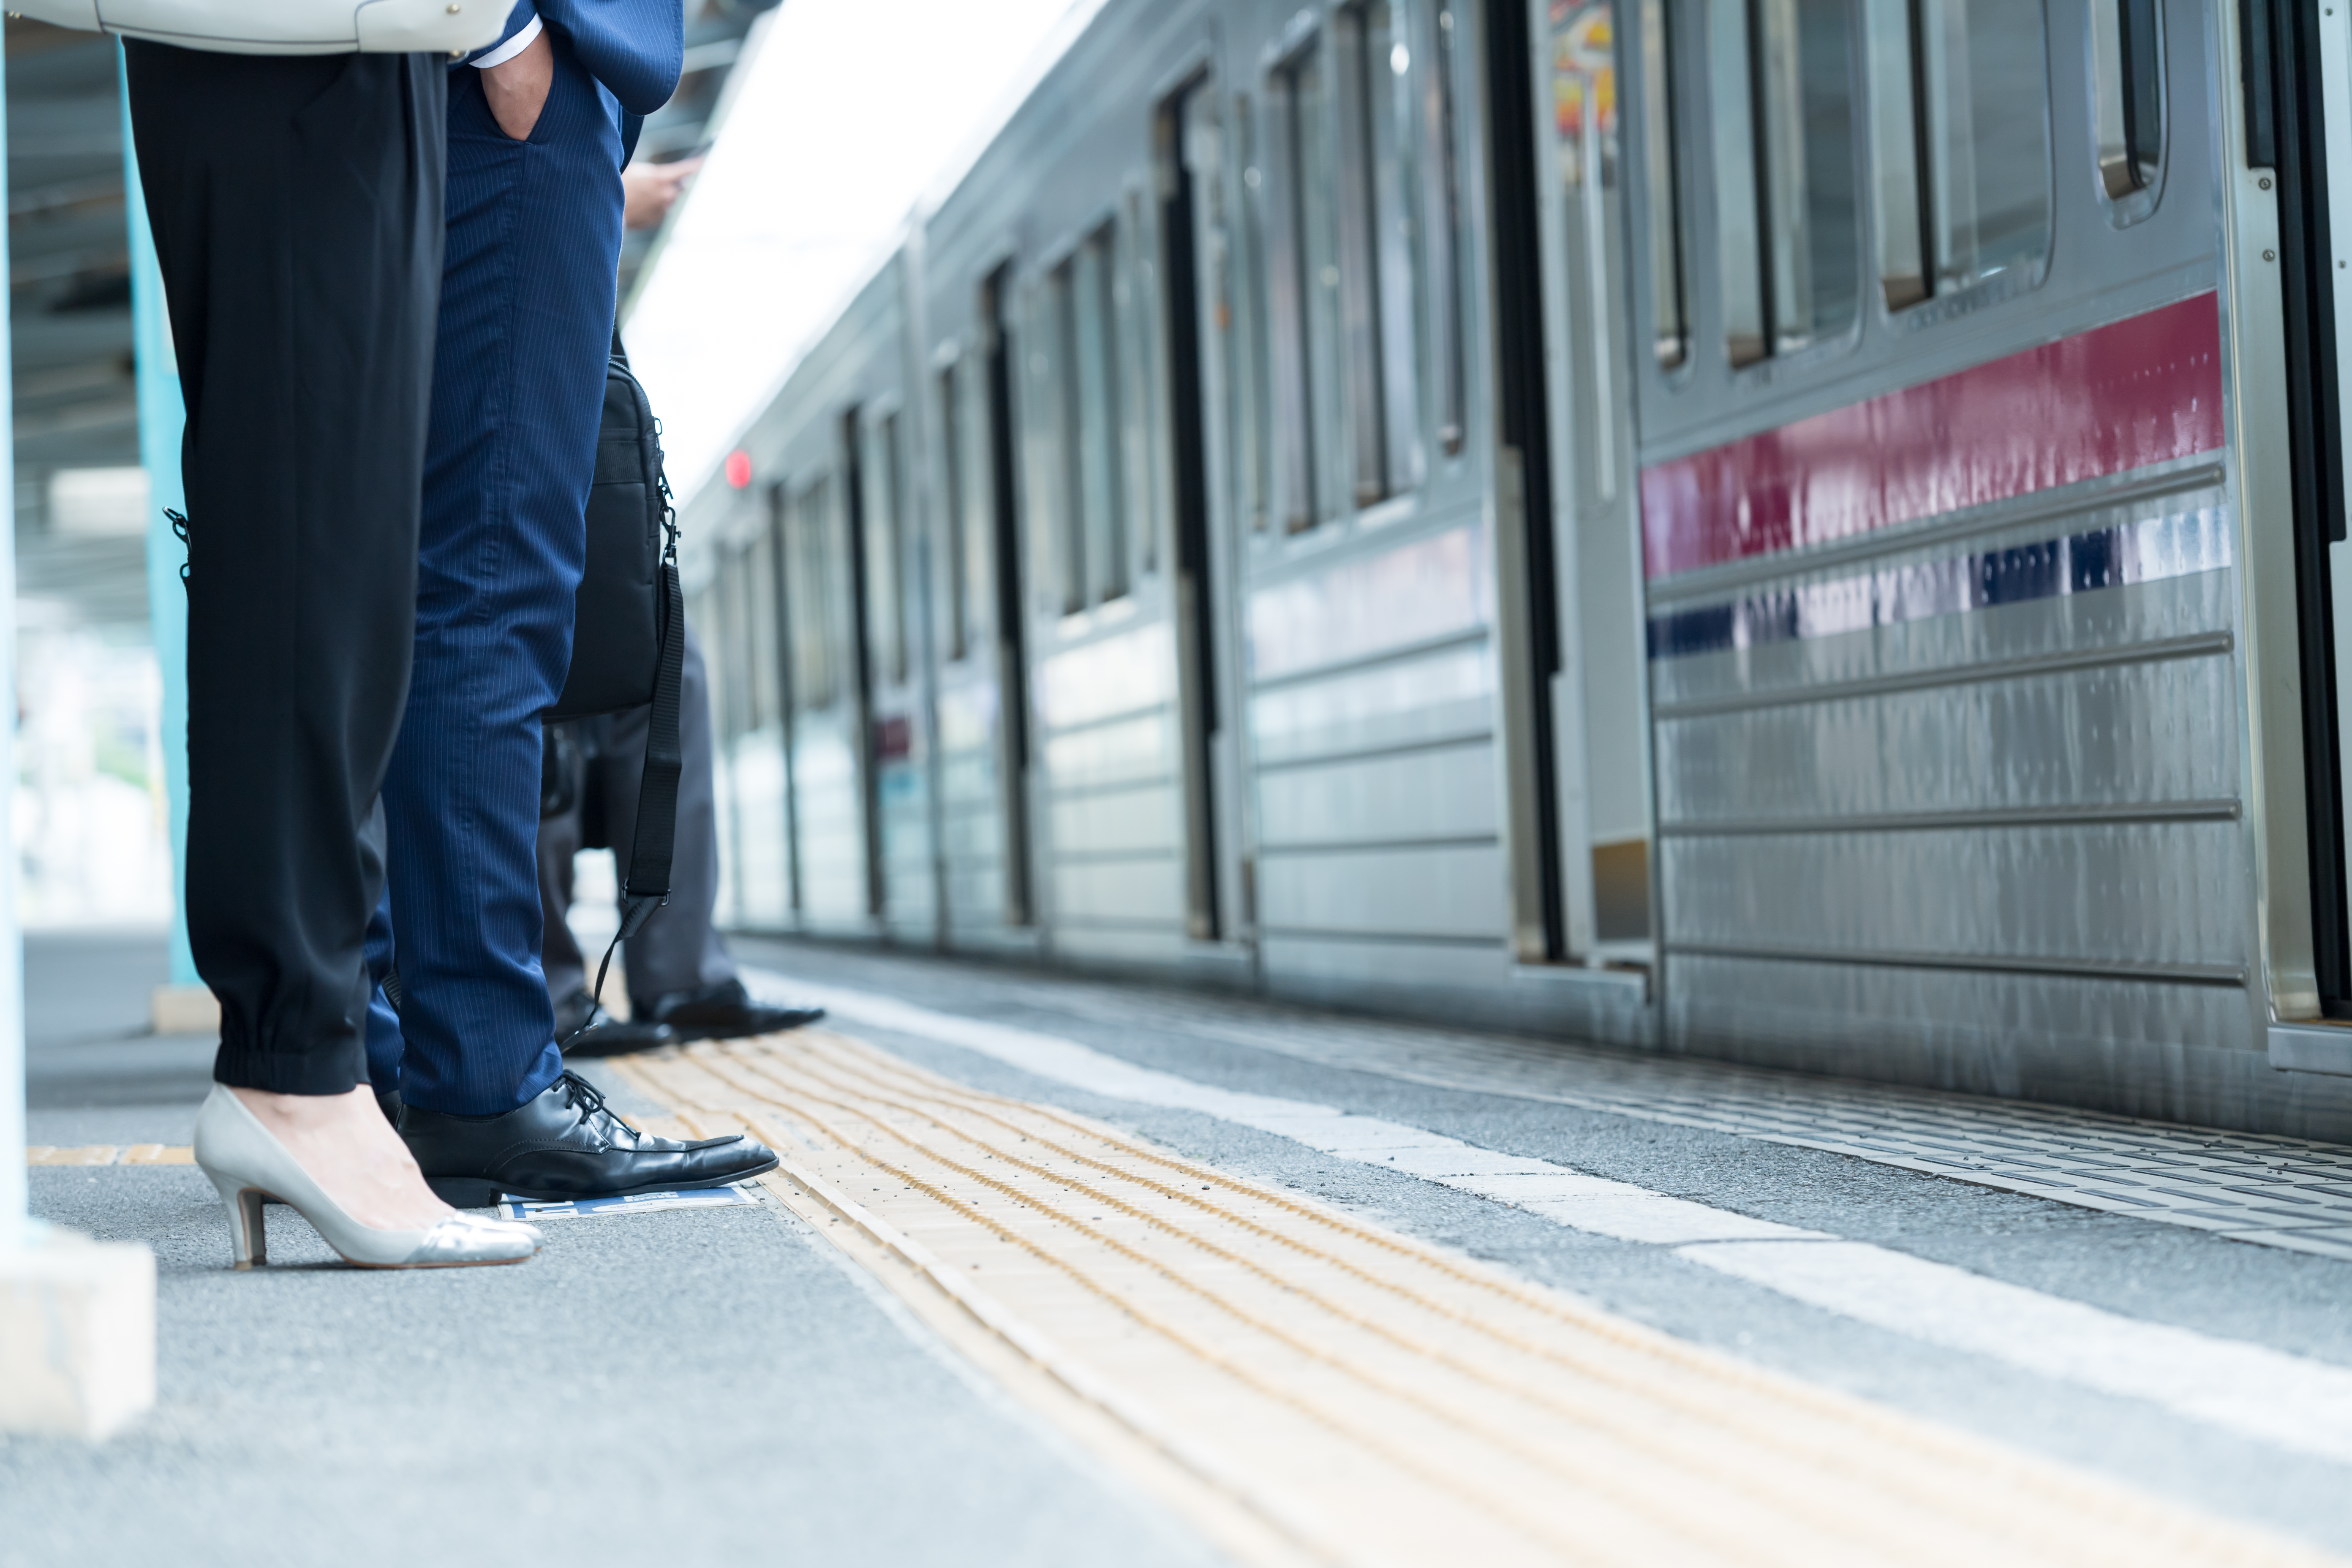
<point>111,1154</point>
<point>1322,1389</point>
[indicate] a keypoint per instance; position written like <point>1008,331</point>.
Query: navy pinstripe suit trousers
<point>534,239</point>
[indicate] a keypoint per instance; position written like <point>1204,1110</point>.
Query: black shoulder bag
<point>628,638</point>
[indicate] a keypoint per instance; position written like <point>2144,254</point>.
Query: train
<point>1807,532</point>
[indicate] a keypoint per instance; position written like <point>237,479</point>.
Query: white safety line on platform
<point>2272,1396</point>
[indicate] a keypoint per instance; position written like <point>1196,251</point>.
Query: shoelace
<point>580,1095</point>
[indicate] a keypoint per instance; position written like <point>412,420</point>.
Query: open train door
<point>1186,157</point>
<point>1574,670</point>
<point>2297,81</point>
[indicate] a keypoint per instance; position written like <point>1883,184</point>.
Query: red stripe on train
<point>2106,402</point>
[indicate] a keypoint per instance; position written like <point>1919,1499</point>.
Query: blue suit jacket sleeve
<point>517,20</point>
<point>636,48</point>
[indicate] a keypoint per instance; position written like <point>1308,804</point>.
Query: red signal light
<point>739,468</point>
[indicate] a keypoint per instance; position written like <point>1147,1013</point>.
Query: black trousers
<point>676,952</point>
<point>297,207</point>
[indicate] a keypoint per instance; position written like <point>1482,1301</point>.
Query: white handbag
<point>286,27</point>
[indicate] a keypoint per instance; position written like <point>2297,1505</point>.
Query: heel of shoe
<point>249,1242</point>
<point>466,1192</point>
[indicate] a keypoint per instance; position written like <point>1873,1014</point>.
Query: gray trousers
<point>676,951</point>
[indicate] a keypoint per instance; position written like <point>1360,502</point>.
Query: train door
<point>2298,132</point>
<point>1572,657</point>
<point>1602,738</point>
<point>1003,514</point>
<point>1529,619</point>
<point>826,724</point>
<point>1185,143</point>
<point>905,873</point>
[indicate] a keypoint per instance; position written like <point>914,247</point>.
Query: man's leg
<point>680,973</point>
<point>297,207</point>
<point>675,950</point>
<point>526,314</point>
<point>560,840</point>
<point>517,395</point>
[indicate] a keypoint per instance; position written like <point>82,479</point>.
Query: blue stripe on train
<point>2143,551</point>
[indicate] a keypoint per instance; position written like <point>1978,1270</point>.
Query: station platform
<point>1063,1272</point>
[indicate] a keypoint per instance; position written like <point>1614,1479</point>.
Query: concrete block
<point>183,1010</point>
<point>76,1335</point>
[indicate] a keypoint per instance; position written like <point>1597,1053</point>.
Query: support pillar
<point>76,1316</point>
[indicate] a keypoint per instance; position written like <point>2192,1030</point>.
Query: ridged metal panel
<point>1126,889</point>
<point>2171,897</point>
<point>1131,818</point>
<point>2131,1047</point>
<point>1119,752</point>
<point>1444,791</point>
<point>2025,816</point>
<point>1414,890</point>
<point>2148,612</point>
<point>1306,966</point>
<point>2151,733</point>
<point>1447,693</point>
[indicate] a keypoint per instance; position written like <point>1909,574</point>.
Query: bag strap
<point>653,849</point>
<point>655,844</point>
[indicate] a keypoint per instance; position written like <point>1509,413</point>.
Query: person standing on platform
<point>683,984</point>
<point>296,203</point>
<point>540,127</point>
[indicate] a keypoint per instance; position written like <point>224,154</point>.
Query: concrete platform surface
<point>2171,1326</point>
<point>673,1385</point>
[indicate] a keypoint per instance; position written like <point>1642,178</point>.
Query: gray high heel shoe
<point>248,1167</point>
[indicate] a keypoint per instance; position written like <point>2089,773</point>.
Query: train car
<point>1804,531</point>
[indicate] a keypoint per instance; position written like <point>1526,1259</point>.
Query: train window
<point>1060,493</point>
<point>1781,83</point>
<point>952,502</point>
<point>2127,53</point>
<point>1961,128</point>
<point>1099,425</point>
<point>810,588</point>
<point>1375,252</point>
<point>1669,310</point>
<point>1342,301</point>
<point>1140,460</point>
<point>1738,198</point>
<point>1445,255</point>
<point>886,551</point>
<point>1584,105</point>
<point>762,669</point>
<point>1253,377</point>
<point>1304,281</point>
<point>729,592</point>
<point>703,615</point>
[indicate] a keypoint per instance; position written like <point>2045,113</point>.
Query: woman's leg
<point>296,205</point>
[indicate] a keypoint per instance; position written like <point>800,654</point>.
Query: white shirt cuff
<point>510,48</point>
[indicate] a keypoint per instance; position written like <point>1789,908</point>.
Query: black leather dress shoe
<point>726,1012</point>
<point>563,1145</point>
<point>612,1037</point>
<point>618,1038</point>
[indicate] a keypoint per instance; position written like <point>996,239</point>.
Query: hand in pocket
<point>517,88</point>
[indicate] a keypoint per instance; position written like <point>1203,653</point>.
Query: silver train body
<point>1781,530</point>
